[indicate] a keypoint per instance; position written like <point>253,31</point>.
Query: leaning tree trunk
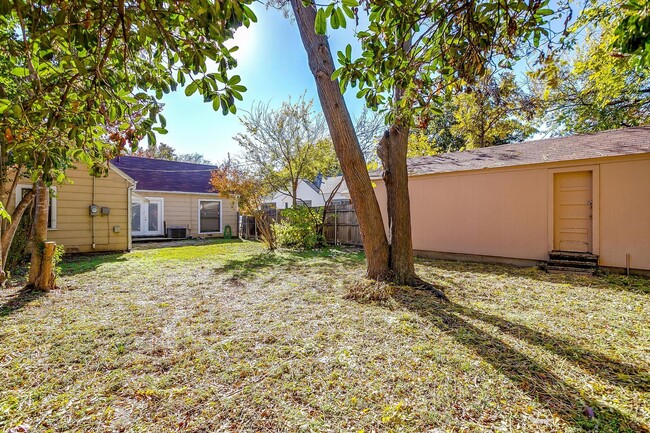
<point>345,142</point>
<point>17,215</point>
<point>40,270</point>
<point>3,275</point>
<point>392,152</point>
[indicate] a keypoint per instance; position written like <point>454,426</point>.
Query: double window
<point>21,190</point>
<point>209,216</point>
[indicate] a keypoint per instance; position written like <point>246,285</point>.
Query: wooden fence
<point>341,225</point>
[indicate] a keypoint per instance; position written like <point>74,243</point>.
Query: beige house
<point>175,199</point>
<point>586,194</point>
<point>88,214</point>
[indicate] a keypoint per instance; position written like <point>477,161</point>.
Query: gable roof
<point>163,175</point>
<point>625,141</point>
<point>311,184</point>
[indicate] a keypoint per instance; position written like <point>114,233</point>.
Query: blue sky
<point>273,66</point>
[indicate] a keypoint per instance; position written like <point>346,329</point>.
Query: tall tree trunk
<point>346,143</point>
<point>40,270</point>
<point>10,232</point>
<point>392,152</point>
<point>3,275</point>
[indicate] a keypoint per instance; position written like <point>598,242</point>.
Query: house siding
<point>507,212</point>
<point>304,192</point>
<point>182,210</point>
<point>625,213</point>
<point>74,227</point>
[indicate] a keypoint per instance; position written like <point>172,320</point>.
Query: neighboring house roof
<point>122,174</point>
<point>332,182</point>
<point>163,175</point>
<point>626,141</point>
<point>311,184</point>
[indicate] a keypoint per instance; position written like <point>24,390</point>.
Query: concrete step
<point>573,263</point>
<point>152,239</point>
<point>569,270</point>
<point>570,255</point>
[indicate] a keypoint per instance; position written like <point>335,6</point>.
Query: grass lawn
<point>223,337</point>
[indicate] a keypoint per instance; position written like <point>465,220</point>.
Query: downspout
<point>129,227</point>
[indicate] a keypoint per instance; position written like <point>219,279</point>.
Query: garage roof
<point>626,141</point>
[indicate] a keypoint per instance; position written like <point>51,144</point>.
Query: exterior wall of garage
<point>506,214</point>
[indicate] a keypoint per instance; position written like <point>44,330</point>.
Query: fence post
<point>336,227</point>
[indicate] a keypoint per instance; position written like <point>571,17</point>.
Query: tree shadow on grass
<point>618,373</point>
<point>542,385</point>
<point>250,266</point>
<point>80,264</point>
<point>636,284</point>
<point>16,300</point>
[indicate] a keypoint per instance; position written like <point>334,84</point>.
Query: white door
<point>147,217</point>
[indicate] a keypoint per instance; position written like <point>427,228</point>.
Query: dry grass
<point>222,337</point>
<point>371,291</point>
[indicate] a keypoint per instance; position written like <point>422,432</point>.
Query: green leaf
<point>342,21</point>
<point>334,20</point>
<point>4,104</point>
<point>320,26</point>
<point>191,88</point>
<point>20,72</point>
<point>4,214</point>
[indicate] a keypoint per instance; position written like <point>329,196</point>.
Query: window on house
<point>306,203</point>
<point>286,205</point>
<point>21,190</point>
<point>268,206</point>
<point>209,216</point>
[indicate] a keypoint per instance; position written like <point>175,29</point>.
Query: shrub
<point>299,228</point>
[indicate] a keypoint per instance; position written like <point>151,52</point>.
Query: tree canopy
<point>81,81</point>
<point>282,146</point>
<point>593,86</point>
<point>85,77</point>
<point>447,44</point>
<point>495,111</point>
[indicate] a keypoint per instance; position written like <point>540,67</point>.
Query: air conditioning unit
<point>177,232</point>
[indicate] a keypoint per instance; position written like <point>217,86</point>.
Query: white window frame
<point>198,220</point>
<point>53,208</point>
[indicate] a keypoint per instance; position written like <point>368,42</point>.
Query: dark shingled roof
<point>626,141</point>
<point>162,175</point>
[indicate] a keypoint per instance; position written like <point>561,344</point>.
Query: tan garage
<point>586,194</point>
